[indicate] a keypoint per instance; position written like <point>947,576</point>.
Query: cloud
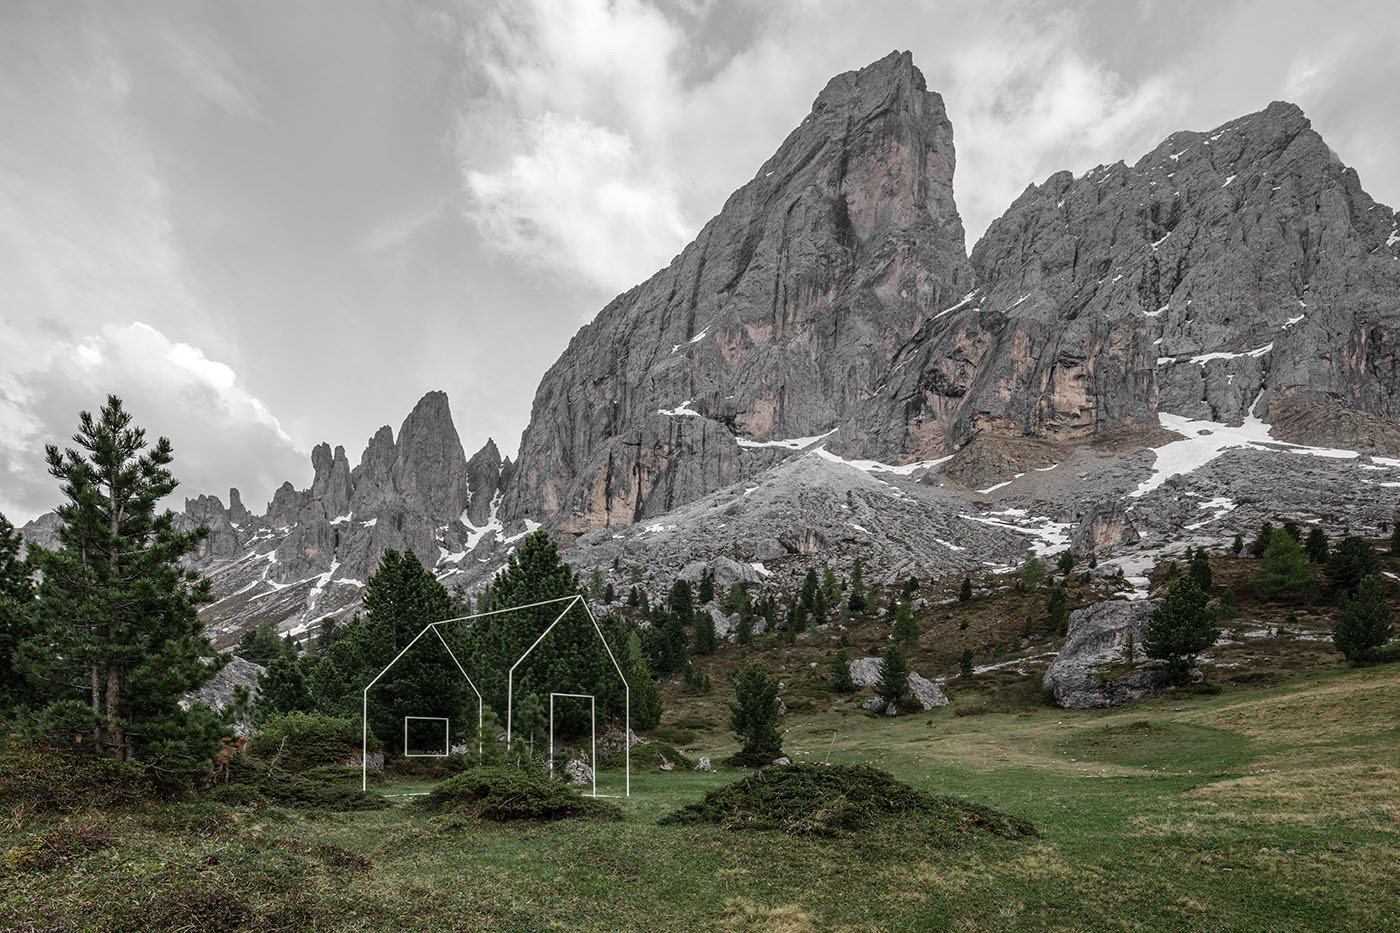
<point>581,201</point>
<point>562,150</point>
<point>1024,99</point>
<point>223,435</point>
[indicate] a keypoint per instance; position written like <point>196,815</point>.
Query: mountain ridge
<point>832,310</point>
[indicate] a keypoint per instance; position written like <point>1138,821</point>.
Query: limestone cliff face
<point>778,319</point>
<point>1234,270</point>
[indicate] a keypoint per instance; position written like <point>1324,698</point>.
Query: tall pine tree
<point>118,627</point>
<point>16,617</point>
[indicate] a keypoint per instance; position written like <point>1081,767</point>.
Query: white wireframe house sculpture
<point>568,603</point>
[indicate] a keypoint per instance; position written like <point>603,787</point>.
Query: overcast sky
<point>268,224</point>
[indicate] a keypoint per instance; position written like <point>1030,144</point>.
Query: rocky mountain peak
<point>782,314</point>
<point>430,464</point>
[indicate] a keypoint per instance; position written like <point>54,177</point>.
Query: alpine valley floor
<point>1262,808</point>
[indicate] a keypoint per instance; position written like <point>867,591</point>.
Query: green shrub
<point>39,779</point>
<point>290,789</point>
<point>502,792</point>
<point>842,801</point>
<point>300,741</point>
<point>653,756</point>
<point>348,775</point>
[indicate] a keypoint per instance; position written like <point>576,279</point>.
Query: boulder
<point>865,672</point>
<point>578,773</point>
<point>928,693</point>
<point>1092,670</point>
<point>704,765</point>
<point>218,692</point>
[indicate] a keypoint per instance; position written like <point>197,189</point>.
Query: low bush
<point>502,792</point>
<point>347,775</point>
<point>39,779</point>
<point>301,741</point>
<point>843,801</point>
<point>653,756</point>
<point>433,768</point>
<point>252,780</point>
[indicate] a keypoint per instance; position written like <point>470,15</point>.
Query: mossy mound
<point>844,801</point>
<point>653,756</point>
<point>502,792</point>
<point>253,782</point>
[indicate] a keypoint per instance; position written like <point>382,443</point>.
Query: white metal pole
<point>551,735</point>
<point>364,743</point>
<point>593,728</point>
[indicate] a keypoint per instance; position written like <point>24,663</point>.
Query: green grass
<point>1271,808</point>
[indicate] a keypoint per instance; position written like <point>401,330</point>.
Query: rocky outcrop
<point>782,314</point>
<point>485,472</point>
<point>1093,670</point>
<point>310,554</point>
<point>865,672</point>
<point>218,692</point>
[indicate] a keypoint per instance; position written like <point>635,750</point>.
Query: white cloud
<point>579,200</point>
<point>563,156</point>
<point>1025,101</point>
<point>223,435</point>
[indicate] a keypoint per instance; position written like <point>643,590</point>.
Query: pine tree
<point>706,595</point>
<point>754,715</point>
<point>1058,610</point>
<point>260,645</point>
<point>681,601</point>
<point>570,659</point>
<point>609,594</point>
<point>116,616</point>
<point>810,593</point>
<point>1353,559</point>
<point>856,595</point>
<point>1283,570</point>
<point>16,618</point>
<point>646,699</point>
<point>797,616</point>
<point>841,681</point>
<point>283,688</point>
<point>402,597</point>
<point>1033,572</point>
<point>831,587</point>
<point>1261,540</point>
<point>1237,545</point>
<point>1291,529</point>
<point>1316,546</point>
<point>893,685</point>
<point>1181,628</point>
<point>965,670</point>
<point>965,592</point>
<point>1066,562</point>
<point>906,627</point>
<point>744,635</point>
<point>1395,540</point>
<point>704,633</point>
<point>1199,569</point>
<point>1364,623</point>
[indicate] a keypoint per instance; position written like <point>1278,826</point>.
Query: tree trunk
<point>96,711</point>
<point>116,738</point>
